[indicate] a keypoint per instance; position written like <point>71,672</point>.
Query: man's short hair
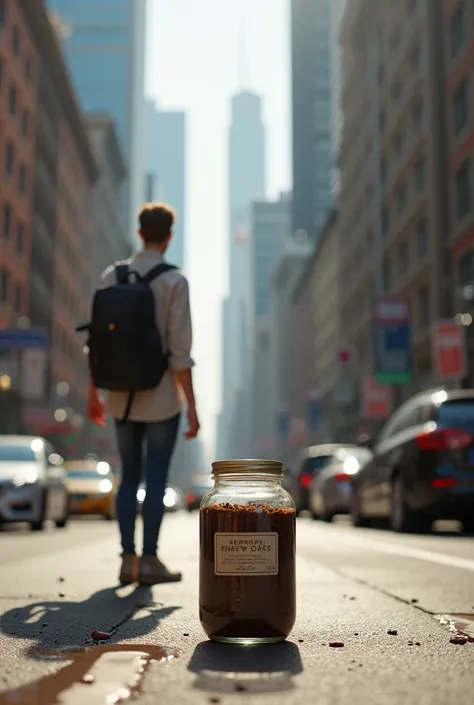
<point>156,222</point>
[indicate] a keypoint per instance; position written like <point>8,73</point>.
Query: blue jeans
<point>149,447</point>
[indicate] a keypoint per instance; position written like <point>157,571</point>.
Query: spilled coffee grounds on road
<point>247,571</point>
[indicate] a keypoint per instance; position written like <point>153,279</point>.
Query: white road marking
<point>406,552</point>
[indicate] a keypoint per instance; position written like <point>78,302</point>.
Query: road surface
<point>354,586</point>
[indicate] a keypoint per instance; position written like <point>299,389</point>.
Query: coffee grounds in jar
<point>247,606</point>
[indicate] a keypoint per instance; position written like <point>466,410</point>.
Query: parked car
<point>92,488</point>
<point>422,467</point>
<point>309,463</point>
<point>330,490</point>
<point>173,499</point>
<point>201,484</point>
<point>32,482</point>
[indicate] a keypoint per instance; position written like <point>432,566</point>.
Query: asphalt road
<point>354,586</point>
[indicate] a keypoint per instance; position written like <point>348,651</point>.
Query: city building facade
<point>247,183</point>
<point>312,113</point>
<point>105,47</point>
<point>165,155</point>
<point>269,231</point>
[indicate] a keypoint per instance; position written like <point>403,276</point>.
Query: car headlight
<point>26,477</point>
<point>171,498</point>
<point>105,486</point>
<point>141,493</point>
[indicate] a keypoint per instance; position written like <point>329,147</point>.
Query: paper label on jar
<point>246,554</point>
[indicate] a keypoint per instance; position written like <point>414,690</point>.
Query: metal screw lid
<point>248,467</point>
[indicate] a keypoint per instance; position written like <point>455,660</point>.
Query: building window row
<point>9,288</point>
<point>463,184</point>
<point>457,29</point>
<point>8,229</point>
<point>10,163</point>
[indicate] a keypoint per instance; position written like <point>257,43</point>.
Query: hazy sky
<point>193,64</point>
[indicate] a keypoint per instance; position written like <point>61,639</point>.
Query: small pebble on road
<point>100,636</point>
<point>459,639</point>
<point>392,632</point>
<point>336,644</point>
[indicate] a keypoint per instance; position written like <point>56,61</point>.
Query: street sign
<point>449,350</point>
<point>392,340</point>
<point>21,338</point>
<point>376,399</point>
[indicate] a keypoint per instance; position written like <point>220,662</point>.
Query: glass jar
<point>247,584</point>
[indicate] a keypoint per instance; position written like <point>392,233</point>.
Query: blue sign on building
<point>21,338</point>
<point>392,340</point>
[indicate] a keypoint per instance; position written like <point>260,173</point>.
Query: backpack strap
<point>157,271</point>
<point>121,272</point>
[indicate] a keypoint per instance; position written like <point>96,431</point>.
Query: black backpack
<point>125,347</point>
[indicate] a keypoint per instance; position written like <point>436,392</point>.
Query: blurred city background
<point>326,206</point>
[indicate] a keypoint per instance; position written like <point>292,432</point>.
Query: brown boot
<point>129,569</point>
<point>152,572</point>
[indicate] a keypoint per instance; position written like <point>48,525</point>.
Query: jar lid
<point>248,467</point>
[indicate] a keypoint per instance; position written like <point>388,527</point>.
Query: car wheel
<point>327,516</point>
<point>468,525</point>
<point>402,519</point>
<point>358,519</point>
<point>38,525</point>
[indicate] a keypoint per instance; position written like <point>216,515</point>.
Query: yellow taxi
<point>92,488</point>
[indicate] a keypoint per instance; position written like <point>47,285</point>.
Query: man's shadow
<point>224,668</point>
<point>61,623</point>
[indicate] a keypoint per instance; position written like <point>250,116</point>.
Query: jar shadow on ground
<point>223,668</point>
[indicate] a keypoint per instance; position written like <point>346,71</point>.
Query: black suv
<point>423,465</point>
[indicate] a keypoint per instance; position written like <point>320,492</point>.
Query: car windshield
<point>16,454</point>
<point>314,465</point>
<point>458,413</point>
<point>84,474</point>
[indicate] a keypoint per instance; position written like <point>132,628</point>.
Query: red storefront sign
<point>376,400</point>
<point>449,350</point>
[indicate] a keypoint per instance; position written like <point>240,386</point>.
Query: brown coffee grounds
<point>248,606</point>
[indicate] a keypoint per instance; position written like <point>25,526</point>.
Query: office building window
<point>463,190</point>
<point>25,122</point>
<point>422,238</point>
<point>457,29</point>
<point>387,274</point>
<point>7,221</point>
<point>22,179</point>
<point>12,100</point>
<point>18,297</point>
<point>403,259</point>
<point>9,159</point>
<point>416,59</point>
<point>465,269</point>
<point>420,175</point>
<point>417,114</point>
<point>424,307</point>
<point>20,238</point>
<point>16,41</point>
<point>4,286</point>
<point>399,142</point>
<point>412,5</point>
<point>383,170</point>
<point>401,199</point>
<point>382,120</point>
<point>460,108</point>
<point>397,90</point>
<point>385,222</point>
<point>2,13</point>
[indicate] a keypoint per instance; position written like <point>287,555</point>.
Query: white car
<point>32,482</point>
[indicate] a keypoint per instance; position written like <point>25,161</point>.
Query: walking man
<point>140,352</point>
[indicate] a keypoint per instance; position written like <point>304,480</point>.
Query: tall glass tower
<point>104,42</point>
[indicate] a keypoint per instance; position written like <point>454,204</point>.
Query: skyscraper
<point>311,40</point>
<point>105,46</point>
<point>165,158</point>
<point>246,184</point>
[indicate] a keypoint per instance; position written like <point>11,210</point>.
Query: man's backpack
<point>125,347</point>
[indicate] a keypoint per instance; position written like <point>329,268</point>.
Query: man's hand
<point>96,410</point>
<point>193,424</point>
